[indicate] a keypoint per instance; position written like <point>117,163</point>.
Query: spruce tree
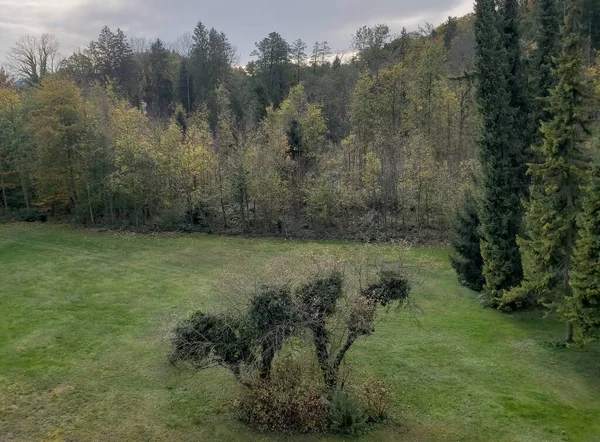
<point>547,46</point>
<point>519,130</point>
<point>186,91</point>
<point>500,189</point>
<point>555,191</point>
<point>583,308</point>
<point>466,259</point>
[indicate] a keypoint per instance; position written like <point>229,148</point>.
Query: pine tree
<point>547,47</point>
<point>555,192</point>
<point>583,308</point>
<point>466,259</point>
<point>499,188</point>
<point>159,88</point>
<point>509,13</point>
<point>591,23</point>
<point>186,91</point>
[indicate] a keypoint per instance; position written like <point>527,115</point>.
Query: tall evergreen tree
<point>583,308</point>
<point>113,61</point>
<point>200,62</point>
<point>499,188</point>
<point>298,53</point>
<point>273,56</point>
<point>186,91</point>
<point>159,88</point>
<point>212,57</point>
<point>466,259</point>
<point>509,12</point>
<point>591,23</point>
<point>547,23</point>
<point>555,192</point>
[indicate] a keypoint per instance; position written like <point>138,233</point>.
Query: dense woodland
<point>374,143</point>
<point>297,142</point>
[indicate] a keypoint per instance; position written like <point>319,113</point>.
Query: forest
<point>371,144</point>
<point>375,143</point>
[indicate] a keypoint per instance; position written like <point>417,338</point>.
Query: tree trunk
<point>268,354</point>
<point>569,334</point>
<point>90,203</point>
<point>321,339</point>
<point>25,190</point>
<point>3,191</point>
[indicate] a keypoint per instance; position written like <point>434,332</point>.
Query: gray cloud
<point>76,22</point>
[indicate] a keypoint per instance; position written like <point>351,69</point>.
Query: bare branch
<point>34,56</point>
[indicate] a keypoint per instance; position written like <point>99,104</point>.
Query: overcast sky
<point>76,22</point>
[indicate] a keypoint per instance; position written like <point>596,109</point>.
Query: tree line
<point>377,143</point>
<point>127,132</point>
<point>527,234</point>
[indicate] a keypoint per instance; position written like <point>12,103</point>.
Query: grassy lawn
<point>83,352</point>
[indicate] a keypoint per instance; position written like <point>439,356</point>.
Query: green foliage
<point>158,91</point>
<point>466,259</point>
<point>551,218</point>
<point>583,308</point>
<point>272,318</point>
<point>542,78</point>
<point>319,297</point>
<point>346,416</point>
<point>58,128</point>
<point>272,67</point>
<point>204,338</point>
<point>374,397</point>
<point>500,153</point>
<point>392,286</point>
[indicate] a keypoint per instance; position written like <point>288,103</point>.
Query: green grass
<point>84,317</point>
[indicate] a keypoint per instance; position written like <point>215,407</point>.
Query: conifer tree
<point>555,191</point>
<point>499,188</point>
<point>541,70</point>
<point>583,308</point>
<point>509,16</point>
<point>158,92</point>
<point>466,259</point>
<point>186,91</point>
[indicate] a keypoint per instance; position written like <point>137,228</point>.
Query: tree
<point>34,56</point>
<point>6,79</point>
<point>450,28</point>
<point>110,59</point>
<point>591,23</point>
<point>186,90</point>
<point>583,308</point>
<point>298,55</point>
<point>159,88</point>
<point>543,80</point>
<point>16,150</point>
<point>467,260</point>
<point>551,218</point>
<point>247,340</point>
<point>57,128</point>
<point>200,62</point>
<point>321,51</point>
<point>273,56</point>
<point>509,12</point>
<point>369,42</point>
<point>499,154</point>
<point>212,56</point>
<point>113,61</point>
